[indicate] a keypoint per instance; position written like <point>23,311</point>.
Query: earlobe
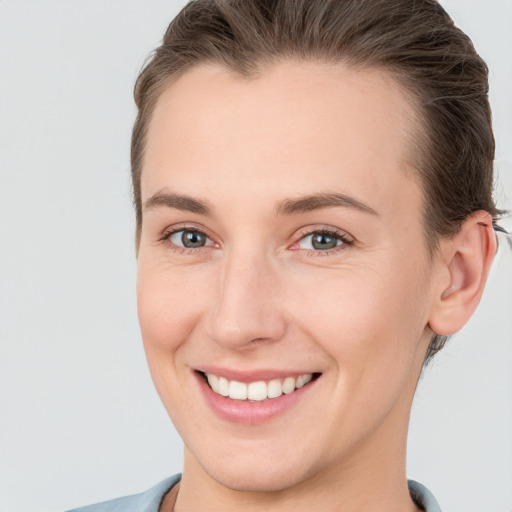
<point>466,259</point>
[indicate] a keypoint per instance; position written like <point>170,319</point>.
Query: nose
<point>247,306</point>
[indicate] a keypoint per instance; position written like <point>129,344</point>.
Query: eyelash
<point>339,235</point>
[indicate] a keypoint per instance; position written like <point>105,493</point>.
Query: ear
<point>465,261</point>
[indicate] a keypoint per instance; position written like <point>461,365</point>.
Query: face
<point>282,256</point>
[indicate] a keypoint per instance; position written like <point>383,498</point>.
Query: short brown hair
<point>417,42</point>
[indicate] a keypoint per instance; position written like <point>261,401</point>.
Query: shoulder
<point>148,501</point>
<point>423,497</point>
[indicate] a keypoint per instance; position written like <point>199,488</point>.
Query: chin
<point>255,477</point>
<point>263,467</point>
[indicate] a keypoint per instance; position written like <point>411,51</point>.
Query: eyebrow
<point>179,202</point>
<point>286,207</point>
<point>319,201</point>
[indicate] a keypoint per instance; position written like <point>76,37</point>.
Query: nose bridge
<point>246,303</point>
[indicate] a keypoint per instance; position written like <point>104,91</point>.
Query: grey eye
<point>320,241</point>
<point>323,241</point>
<point>189,239</point>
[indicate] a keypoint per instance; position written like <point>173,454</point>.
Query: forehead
<point>302,124</point>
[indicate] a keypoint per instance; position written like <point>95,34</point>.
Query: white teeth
<point>288,385</point>
<point>303,380</point>
<point>223,386</point>
<point>256,391</point>
<point>275,388</point>
<point>237,390</point>
<point>213,380</point>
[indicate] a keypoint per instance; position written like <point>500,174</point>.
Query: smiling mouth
<point>257,391</point>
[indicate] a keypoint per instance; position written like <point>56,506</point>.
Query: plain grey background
<point>79,418</point>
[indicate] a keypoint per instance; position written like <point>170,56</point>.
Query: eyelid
<point>321,228</point>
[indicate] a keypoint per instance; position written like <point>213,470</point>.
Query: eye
<point>189,239</point>
<point>323,240</point>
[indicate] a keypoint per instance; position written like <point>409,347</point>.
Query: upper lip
<point>255,375</point>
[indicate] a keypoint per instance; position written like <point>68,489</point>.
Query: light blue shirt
<point>150,500</point>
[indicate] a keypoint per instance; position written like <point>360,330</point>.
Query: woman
<point>313,187</point>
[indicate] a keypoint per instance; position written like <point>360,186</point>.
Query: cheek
<point>170,304</point>
<point>368,321</point>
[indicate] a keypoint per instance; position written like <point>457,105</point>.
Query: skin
<point>258,295</point>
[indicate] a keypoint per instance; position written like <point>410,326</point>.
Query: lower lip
<point>250,413</point>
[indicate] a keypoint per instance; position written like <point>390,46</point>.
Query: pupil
<point>322,241</point>
<point>192,239</point>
